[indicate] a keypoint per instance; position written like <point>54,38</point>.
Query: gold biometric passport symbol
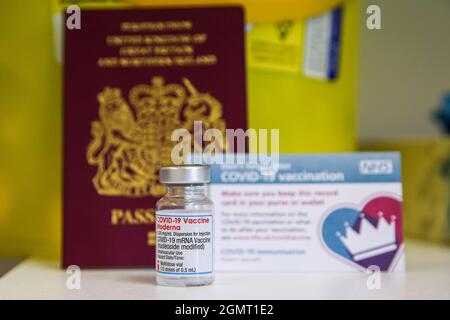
<point>130,144</point>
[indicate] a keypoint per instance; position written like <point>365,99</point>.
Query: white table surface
<point>427,277</point>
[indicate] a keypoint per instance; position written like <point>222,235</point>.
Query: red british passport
<point>130,78</point>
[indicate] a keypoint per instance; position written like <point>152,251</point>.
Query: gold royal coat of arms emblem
<point>130,144</point>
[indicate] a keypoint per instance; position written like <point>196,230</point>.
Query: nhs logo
<point>376,167</point>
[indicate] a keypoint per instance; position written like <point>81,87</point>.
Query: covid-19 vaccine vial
<point>184,228</point>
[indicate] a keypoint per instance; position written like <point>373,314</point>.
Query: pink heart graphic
<point>371,236</point>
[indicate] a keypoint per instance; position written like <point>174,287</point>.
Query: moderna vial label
<point>184,245</point>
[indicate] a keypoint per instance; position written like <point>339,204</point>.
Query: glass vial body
<point>184,235</point>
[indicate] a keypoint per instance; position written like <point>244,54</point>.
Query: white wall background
<point>405,68</point>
